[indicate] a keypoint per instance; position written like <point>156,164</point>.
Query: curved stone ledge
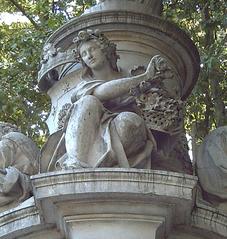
<point>78,200</point>
<point>19,220</point>
<point>210,219</point>
<point>102,180</point>
<point>109,17</point>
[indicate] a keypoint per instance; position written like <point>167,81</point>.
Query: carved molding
<point>153,182</point>
<point>210,219</point>
<point>72,197</point>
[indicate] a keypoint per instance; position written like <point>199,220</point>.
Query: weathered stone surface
<point>212,165</point>
<point>43,233</point>
<point>114,223</point>
<point>119,198</point>
<point>211,220</point>
<point>25,222</point>
<point>18,159</point>
<point>113,203</point>
<point>145,7</point>
<point>19,220</point>
<point>133,181</point>
<point>191,232</point>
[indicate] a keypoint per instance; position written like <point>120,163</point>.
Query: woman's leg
<point>132,132</point>
<point>82,130</point>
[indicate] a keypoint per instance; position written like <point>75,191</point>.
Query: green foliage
<point>205,22</point>
<point>21,103</point>
<point>21,43</point>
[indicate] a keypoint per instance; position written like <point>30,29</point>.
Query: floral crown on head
<point>84,36</point>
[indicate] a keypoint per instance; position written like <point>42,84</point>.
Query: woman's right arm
<point>119,87</point>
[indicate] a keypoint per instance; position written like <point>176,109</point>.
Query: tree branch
<point>21,9</point>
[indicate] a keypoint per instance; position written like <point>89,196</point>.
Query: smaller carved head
<point>94,49</point>
<point>6,128</point>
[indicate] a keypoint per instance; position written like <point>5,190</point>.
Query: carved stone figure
<point>212,165</point>
<point>18,159</point>
<point>108,125</point>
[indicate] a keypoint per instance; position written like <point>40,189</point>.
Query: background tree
<point>205,21</point>
<point>21,45</point>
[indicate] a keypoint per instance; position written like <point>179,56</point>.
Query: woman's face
<point>92,55</point>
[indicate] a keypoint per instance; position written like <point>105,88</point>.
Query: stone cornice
<point>75,197</point>
<point>16,221</point>
<point>79,195</point>
<point>101,180</point>
<point>112,17</point>
<point>210,219</point>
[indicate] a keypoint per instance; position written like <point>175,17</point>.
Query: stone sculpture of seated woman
<point>104,127</point>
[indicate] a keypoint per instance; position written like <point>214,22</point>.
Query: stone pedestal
<point>115,203</point>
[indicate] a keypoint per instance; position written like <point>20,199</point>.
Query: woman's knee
<point>132,131</point>
<point>128,121</point>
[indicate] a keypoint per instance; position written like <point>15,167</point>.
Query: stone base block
<point>112,203</point>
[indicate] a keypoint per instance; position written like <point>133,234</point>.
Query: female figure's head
<point>94,51</point>
<point>92,55</point>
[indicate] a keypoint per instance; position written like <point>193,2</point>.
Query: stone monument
<point>115,164</point>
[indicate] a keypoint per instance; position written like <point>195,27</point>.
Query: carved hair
<point>108,47</point>
<point>6,128</point>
